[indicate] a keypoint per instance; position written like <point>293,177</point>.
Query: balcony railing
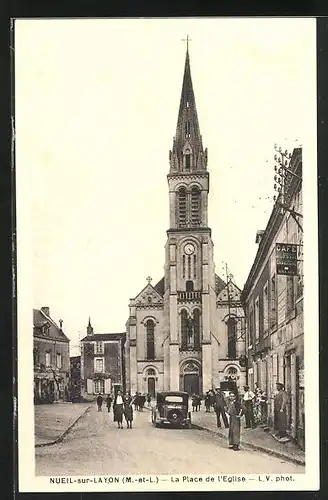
<point>190,296</point>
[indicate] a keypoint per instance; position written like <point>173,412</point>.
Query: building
<point>273,298</point>
<point>102,363</point>
<point>51,358</point>
<point>186,331</point>
<point>75,381</point>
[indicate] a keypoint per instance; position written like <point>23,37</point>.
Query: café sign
<point>286,259</point>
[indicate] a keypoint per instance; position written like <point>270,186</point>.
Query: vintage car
<point>172,408</point>
<point>228,386</point>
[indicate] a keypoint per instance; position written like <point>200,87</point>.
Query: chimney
<point>46,311</point>
<point>259,236</point>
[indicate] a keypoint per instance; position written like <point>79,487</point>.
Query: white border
<point>306,482</point>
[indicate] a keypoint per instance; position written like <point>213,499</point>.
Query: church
<point>186,332</point>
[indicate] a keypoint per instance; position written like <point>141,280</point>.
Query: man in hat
<point>248,400</point>
<point>220,407</point>
<point>280,411</point>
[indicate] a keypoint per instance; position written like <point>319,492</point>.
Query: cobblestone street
<point>96,446</point>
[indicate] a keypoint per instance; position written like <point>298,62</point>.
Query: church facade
<point>187,332</point>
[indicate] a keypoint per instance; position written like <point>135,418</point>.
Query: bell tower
<point>190,299</point>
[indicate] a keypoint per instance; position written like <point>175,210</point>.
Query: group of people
<point>196,402</point>
<point>123,406</point>
<point>252,405</point>
<point>255,406</point>
<point>140,400</point>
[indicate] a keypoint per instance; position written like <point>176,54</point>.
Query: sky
<point>96,106</point>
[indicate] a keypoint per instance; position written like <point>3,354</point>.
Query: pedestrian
<point>136,401</point>
<point>257,405</point>
<point>99,401</point>
<point>194,402</point>
<point>148,400</point>
<point>280,411</point>
<point>128,409</point>
<point>207,402</point>
<point>264,408</point>
<point>235,412</point>
<point>220,407</point>
<point>212,399</point>
<point>199,402</point>
<point>109,400</point>
<point>142,400</point>
<point>118,409</point>
<point>248,399</point>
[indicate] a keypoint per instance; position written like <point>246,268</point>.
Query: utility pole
<point>228,289</point>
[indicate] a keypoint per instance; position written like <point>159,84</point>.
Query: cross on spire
<point>149,279</point>
<point>186,40</point>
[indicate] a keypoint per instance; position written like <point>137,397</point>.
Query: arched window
<point>195,206</point>
<point>184,328</point>
<point>182,207</point>
<point>187,161</point>
<point>36,356</point>
<point>232,337</point>
<point>196,329</point>
<point>189,266</point>
<point>183,266</point>
<point>150,327</point>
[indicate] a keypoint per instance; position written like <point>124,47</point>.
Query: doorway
<point>151,386</point>
<point>191,383</point>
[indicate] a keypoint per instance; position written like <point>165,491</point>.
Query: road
<point>95,446</point>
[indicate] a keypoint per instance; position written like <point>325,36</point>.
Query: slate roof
<point>219,284</point>
<point>103,336</point>
<point>159,287</point>
<point>39,319</point>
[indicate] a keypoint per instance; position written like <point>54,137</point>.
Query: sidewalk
<point>53,421</point>
<point>257,439</point>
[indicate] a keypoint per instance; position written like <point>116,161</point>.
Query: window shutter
<point>89,386</point>
<point>108,385</point>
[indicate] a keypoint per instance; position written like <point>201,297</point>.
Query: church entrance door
<point>191,383</point>
<point>151,386</point>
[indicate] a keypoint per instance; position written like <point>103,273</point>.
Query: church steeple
<point>187,152</point>
<point>89,328</point>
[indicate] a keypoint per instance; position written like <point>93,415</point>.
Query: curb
<point>61,437</point>
<point>256,447</point>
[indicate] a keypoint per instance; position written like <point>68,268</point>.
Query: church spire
<point>89,328</point>
<point>187,153</point>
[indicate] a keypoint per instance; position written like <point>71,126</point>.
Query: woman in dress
<point>118,409</point>
<point>128,409</point>
<point>257,404</point>
<point>235,412</point>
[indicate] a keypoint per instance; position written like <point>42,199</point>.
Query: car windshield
<point>173,399</point>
